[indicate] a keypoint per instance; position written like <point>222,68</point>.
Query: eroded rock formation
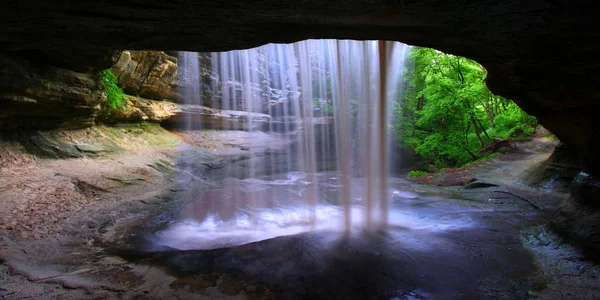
<point>148,74</point>
<point>38,95</point>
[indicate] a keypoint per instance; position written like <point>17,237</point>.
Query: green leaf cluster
<point>513,122</point>
<point>417,173</point>
<point>114,94</point>
<point>322,108</point>
<point>446,113</point>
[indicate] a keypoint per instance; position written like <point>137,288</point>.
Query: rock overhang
<point>542,54</point>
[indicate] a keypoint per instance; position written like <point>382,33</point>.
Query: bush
<point>417,173</point>
<point>114,94</point>
<point>513,123</point>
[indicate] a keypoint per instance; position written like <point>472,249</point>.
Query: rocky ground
<point>54,209</point>
<point>57,215</point>
<point>61,221</point>
<point>508,166</point>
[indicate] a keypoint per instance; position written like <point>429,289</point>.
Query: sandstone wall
<point>148,74</point>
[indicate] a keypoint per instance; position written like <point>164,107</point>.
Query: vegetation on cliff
<point>114,94</point>
<point>447,115</point>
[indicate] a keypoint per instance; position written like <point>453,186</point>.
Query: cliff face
<point>39,95</point>
<point>148,74</point>
<point>61,89</point>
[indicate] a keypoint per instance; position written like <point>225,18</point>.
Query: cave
<point>540,54</point>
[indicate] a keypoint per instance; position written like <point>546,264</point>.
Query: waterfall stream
<point>330,100</point>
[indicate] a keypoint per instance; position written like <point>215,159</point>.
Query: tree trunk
<point>503,105</point>
<point>471,153</point>
<point>497,104</point>
<point>483,128</point>
<point>489,110</point>
<point>467,133</point>
<point>476,130</point>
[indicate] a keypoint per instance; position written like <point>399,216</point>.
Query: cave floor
<point>65,233</point>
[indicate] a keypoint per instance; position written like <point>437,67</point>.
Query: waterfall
<point>329,100</point>
<point>190,78</point>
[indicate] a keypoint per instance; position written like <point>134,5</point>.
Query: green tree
<point>444,101</point>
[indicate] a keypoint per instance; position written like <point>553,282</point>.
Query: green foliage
<point>417,173</point>
<point>322,108</point>
<point>513,122</point>
<point>446,113</point>
<point>46,84</point>
<point>114,94</point>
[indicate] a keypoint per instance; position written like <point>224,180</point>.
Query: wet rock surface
<point>557,172</point>
<point>463,250</point>
<point>576,221</point>
<point>202,117</point>
<point>563,273</point>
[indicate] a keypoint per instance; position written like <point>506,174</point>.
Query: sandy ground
<point>53,210</point>
<point>56,216</point>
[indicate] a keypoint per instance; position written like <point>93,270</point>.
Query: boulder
<point>156,111</point>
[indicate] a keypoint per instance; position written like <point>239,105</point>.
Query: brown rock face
<point>138,110</point>
<point>148,74</point>
<point>156,111</point>
<point>34,96</point>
